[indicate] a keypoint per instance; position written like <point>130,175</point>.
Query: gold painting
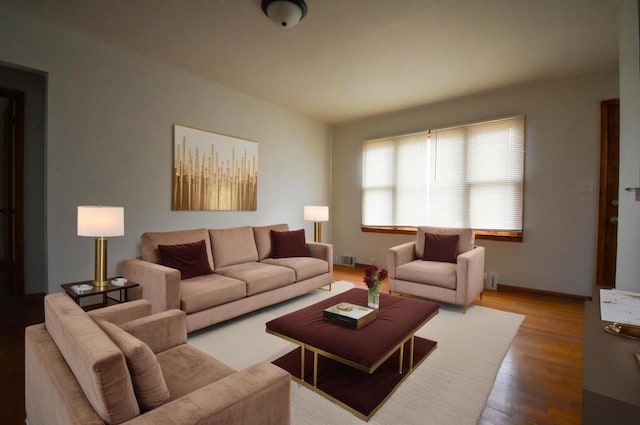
<point>213,172</point>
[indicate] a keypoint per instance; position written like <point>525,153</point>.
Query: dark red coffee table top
<point>397,318</point>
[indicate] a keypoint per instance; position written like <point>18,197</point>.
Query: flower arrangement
<point>373,276</point>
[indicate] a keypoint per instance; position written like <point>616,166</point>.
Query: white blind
<point>464,176</point>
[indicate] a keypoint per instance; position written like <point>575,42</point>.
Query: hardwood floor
<point>16,313</point>
<point>539,382</point>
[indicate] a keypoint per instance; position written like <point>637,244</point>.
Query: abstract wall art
<point>213,172</point>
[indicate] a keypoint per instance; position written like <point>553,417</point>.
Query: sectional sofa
<point>217,274</point>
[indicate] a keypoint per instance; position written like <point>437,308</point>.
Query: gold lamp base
<point>317,231</point>
<point>100,278</point>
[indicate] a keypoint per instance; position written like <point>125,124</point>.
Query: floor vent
<point>346,260</point>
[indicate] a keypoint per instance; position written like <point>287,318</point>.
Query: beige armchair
<point>458,282</point>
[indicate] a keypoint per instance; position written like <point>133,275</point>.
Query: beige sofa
<point>244,278</point>
<point>122,365</point>
<point>457,281</point>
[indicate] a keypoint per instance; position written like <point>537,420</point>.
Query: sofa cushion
<point>305,267</point>
<point>151,240</point>
<point>465,243</point>
<point>262,236</point>
<point>189,258</point>
<point>148,382</point>
<point>96,362</point>
<point>233,246</point>
<point>201,293</point>
<point>259,277</point>
<point>440,247</point>
<point>429,272</point>
<point>187,369</point>
<point>288,244</point>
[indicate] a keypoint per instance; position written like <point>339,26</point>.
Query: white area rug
<point>451,387</point>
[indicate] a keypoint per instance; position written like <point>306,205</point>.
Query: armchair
<point>123,365</point>
<point>457,280</point>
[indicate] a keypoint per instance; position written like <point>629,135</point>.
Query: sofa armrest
<point>160,331</point>
<point>259,394</point>
<point>470,269</point>
<point>121,313</point>
<point>323,251</point>
<point>159,285</point>
<point>399,255</point>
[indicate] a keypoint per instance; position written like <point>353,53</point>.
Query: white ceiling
<point>349,59</point>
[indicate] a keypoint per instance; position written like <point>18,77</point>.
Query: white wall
<point>109,141</point>
<point>562,145</point>
<point>628,266</point>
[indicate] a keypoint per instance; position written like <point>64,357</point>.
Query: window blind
<point>464,176</point>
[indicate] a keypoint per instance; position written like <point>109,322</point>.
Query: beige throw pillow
<point>148,382</point>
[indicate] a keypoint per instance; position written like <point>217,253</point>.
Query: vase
<point>374,299</point>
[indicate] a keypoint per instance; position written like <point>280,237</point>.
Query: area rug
<point>450,387</point>
<point>361,392</point>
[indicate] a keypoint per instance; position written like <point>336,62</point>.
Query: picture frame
<point>213,172</point>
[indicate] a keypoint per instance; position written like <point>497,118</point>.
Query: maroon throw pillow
<point>288,244</point>
<point>443,248</point>
<point>189,258</point>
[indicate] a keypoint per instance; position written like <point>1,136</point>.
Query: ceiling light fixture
<point>285,13</point>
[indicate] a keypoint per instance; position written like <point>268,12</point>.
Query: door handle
<point>613,219</point>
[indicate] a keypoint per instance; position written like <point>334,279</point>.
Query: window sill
<point>480,234</point>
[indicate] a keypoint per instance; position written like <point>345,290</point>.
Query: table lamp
<point>317,214</point>
<point>100,222</point>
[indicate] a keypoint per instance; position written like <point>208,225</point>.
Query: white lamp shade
<point>316,213</point>
<point>99,221</point>
<point>284,13</point>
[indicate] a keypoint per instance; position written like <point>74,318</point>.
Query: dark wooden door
<point>11,195</point>
<point>608,211</point>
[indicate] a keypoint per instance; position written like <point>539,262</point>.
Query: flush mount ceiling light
<point>285,13</point>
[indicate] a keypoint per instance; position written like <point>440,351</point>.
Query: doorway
<point>608,210</point>
<point>11,211</point>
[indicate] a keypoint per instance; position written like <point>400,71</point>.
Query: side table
<point>611,384</point>
<point>101,291</point>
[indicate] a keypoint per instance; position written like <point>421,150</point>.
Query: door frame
<point>604,171</point>
<point>17,285</point>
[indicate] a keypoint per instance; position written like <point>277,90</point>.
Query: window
<point>464,176</point>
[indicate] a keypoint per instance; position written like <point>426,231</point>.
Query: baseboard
<point>510,288</point>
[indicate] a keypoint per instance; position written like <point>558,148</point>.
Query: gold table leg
<point>315,368</point>
<point>401,357</point>
<point>411,352</point>
<point>302,350</point>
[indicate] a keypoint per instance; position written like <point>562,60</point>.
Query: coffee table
<point>367,353</point>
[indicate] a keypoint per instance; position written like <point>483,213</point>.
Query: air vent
<point>346,260</point>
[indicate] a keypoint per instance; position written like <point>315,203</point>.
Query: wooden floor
<point>15,314</point>
<point>539,382</point>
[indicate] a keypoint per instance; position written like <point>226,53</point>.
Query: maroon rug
<point>361,392</point>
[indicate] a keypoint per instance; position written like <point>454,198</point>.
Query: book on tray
<point>350,315</point>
